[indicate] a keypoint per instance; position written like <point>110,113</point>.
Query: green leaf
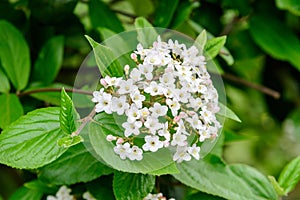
<point>164,13</point>
<point>214,46</point>
<point>277,187</point>
<point>142,9</point>
<point>276,39</point>
<point>234,182</point>
<point>102,16</point>
<point>67,112</point>
<point>31,141</point>
<point>69,141</point>
<point>201,41</point>
<point>49,60</point>
<point>41,186</point>
<point>14,55</point>
<point>146,34</point>
<point>132,186</point>
<point>183,12</point>
<point>74,166</point>
<point>105,59</point>
<point>201,195</point>
<point>292,6</point>
<point>228,113</point>
<point>290,175</point>
<point>10,109</point>
<point>101,188</point>
<point>4,86</point>
<point>152,162</point>
<point>170,169</point>
<point>25,193</point>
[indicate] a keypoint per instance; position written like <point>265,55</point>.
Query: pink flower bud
<point>111,138</point>
<point>120,141</point>
<point>126,69</point>
<point>177,118</point>
<point>133,56</point>
<point>103,82</point>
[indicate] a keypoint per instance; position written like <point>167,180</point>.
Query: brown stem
<point>85,120</point>
<point>255,86</point>
<point>53,90</point>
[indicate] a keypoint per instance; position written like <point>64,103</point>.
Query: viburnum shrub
<point>168,100</point>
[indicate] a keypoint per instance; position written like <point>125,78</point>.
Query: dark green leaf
<point>292,6</point>
<point>67,113</point>
<point>146,34</point>
<point>132,186</point>
<point>25,193</point>
<point>41,186</point>
<point>69,141</point>
<point>235,182</point>
<point>101,188</point>
<point>49,60</point>
<point>10,109</point>
<point>276,39</point>
<point>102,16</point>
<point>214,46</point>
<point>31,141</point>
<point>164,13</point>
<point>290,175</point>
<point>74,166</point>
<point>105,59</point>
<point>183,12</point>
<point>142,9</point>
<point>14,55</point>
<point>4,86</point>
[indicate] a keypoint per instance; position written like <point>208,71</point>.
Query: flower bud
<point>111,138</point>
<point>120,141</point>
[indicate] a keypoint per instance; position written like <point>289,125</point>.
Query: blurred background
<point>263,37</point>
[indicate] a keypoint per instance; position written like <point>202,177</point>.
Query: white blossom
<point>132,128</point>
<point>135,153</point>
<point>121,150</point>
<point>158,110</point>
<point>137,98</point>
<point>194,151</point>
<point>62,194</point>
<point>152,143</point>
<point>182,154</point>
<point>119,105</point>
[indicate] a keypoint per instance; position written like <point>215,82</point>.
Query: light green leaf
<point>276,39</point>
<point>74,166</point>
<point>292,6</point>
<point>290,175</point>
<point>234,182</point>
<point>164,13</point>
<point>170,169</point>
<point>49,60</point>
<point>102,16</point>
<point>146,34</point>
<point>277,187</point>
<point>14,55</point>
<point>132,186</point>
<point>4,86</point>
<point>152,162</point>
<point>67,113</point>
<point>31,141</point>
<point>214,46</point>
<point>10,109</point>
<point>69,141</point>
<point>201,41</point>
<point>105,59</point>
<point>25,193</point>
<point>228,113</point>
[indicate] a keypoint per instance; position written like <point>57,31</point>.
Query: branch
<point>260,88</point>
<point>85,120</point>
<point>53,90</point>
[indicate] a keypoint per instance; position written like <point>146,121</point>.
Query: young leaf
<point>25,193</point>
<point>66,117</point>
<point>290,175</point>
<point>4,86</point>
<point>151,161</point>
<point>49,60</point>
<point>235,182</point>
<point>102,16</point>
<point>146,33</point>
<point>31,141</point>
<point>228,113</point>
<point>105,59</point>
<point>214,46</point>
<point>164,13</point>
<point>132,186</point>
<point>67,168</point>
<point>14,55</point>
<point>277,187</point>
<point>201,41</point>
<point>10,109</point>
<point>69,141</point>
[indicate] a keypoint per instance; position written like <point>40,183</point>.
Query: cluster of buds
<point>167,99</point>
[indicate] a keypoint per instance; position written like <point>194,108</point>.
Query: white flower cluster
<point>168,99</point>
<point>158,196</point>
<point>64,194</point>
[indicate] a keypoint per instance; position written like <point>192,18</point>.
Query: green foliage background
<point>262,37</point>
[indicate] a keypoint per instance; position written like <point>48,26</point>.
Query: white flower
<point>158,110</point>
<point>121,150</point>
<point>135,75</point>
<point>133,113</point>
<point>152,143</point>
<point>179,139</point>
<point>194,151</point>
<point>167,79</point>
<point>141,51</point>
<point>104,103</point>
<point>137,98</point>
<point>165,132</point>
<point>173,105</point>
<point>194,121</point>
<point>153,124</point>
<point>144,112</point>
<point>153,59</point>
<point>135,153</point>
<point>154,89</point>
<point>126,86</point>
<point>207,115</point>
<point>181,154</point>
<point>88,196</point>
<point>146,70</point>
<point>112,81</point>
<point>62,194</point>
<point>195,103</point>
<point>182,95</point>
<point>119,105</point>
<point>97,95</point>
<point>132,128</point>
